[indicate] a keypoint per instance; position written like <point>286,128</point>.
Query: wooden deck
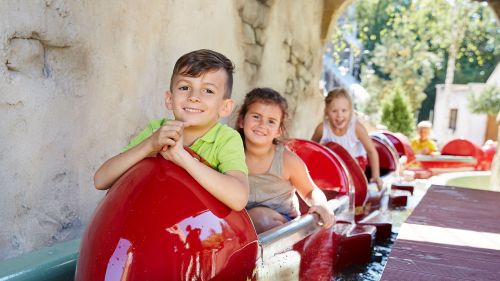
<point>453,234</point>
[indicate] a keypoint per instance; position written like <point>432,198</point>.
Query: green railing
<point>57,262</point>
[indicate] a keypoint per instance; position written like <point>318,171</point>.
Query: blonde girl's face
<point>338,112</point>
<point>262,123</point>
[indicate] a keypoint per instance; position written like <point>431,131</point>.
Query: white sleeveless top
<point>349,140</point>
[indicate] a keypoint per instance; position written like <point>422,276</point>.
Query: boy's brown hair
<point>198,62</point>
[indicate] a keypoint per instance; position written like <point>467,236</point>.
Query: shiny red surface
<point>402,145</point>
<point>482,157</point>
<point>489,149</point>
<point>355,243</point>
<point>446,164</point>
<point>158,223</point>
<point>365,201</point>
<point>357,175</point>
<point>457,147</point>
<point>319,255</point>
<point>386,158</point>
<point>327,250</point>
<point>461,147</point>
<point>325,167</point>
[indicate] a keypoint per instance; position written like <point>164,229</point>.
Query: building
<point>452,112</point>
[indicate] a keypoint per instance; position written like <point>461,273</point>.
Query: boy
<point>200,91</point>
<point>423,144</point>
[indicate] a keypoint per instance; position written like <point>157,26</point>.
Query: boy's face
<point>424,132</point>
<point>199,101</point>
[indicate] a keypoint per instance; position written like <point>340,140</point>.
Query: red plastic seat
<point>326,168</point>
<point>357,176</point>
<point>387,155</point>
<point>158,223</point>
<point>462,147</point>
<point>401,144</point>
<point>332,175</point>
<point>365,202</point>
<point>330,167</point>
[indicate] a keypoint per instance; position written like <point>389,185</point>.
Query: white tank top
<point>349,140</point>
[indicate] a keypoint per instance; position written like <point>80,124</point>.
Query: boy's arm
<point>318,133</point>
<point>362,135</point>
<point>116,166</point>
<point>231,187</point>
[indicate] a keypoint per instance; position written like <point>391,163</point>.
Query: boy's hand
<point>325,215</point>
<point>173,148</point>
<point>166,136</point>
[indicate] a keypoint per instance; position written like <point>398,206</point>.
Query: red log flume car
<point>158,223</point>
<point>455,156</point>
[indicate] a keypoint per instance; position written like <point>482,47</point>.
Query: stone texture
<point>25,56</point>
<point>248,34</point>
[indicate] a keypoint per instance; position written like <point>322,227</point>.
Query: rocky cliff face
<point>79,78</point>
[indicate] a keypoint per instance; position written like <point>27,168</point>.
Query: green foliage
<point>407,42</point>
<point>488,101</point>
<point>396,112</point>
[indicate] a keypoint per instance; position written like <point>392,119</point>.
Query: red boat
<point>158,223</point>
<point>456,155</point>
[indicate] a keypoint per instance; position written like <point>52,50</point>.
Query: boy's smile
<point>199,101</point>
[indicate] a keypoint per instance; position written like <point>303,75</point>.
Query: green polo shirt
<point>221,146</point>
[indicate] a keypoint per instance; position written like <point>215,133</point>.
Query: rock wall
<point>79,78</point>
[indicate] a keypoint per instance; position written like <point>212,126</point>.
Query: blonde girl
<point>340,125</point>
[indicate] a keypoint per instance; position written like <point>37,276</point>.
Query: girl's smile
<point>262,123</point>
<point>339,112</point>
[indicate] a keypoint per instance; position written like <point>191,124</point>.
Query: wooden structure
<point>453,234</point>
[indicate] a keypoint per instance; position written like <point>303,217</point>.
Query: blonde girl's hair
<point>336,94</point>
<point>267,96</point>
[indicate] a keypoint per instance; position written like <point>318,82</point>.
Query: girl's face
<point>338,112</point>
<point>262,123</point>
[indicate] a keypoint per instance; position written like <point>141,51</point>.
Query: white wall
<point>469,125</point>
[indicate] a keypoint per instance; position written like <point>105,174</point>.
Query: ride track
<point>157,222</point>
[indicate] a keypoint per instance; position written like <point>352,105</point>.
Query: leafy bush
<point>396,112</point>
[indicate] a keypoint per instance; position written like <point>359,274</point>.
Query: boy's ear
<point>168,100</point>
<point>226,108</point>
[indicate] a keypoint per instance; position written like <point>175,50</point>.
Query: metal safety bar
<point>283,237</point>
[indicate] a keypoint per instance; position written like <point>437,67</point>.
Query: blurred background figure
<point>423,144</point>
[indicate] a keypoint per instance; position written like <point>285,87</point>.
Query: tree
<point>410,43</point>
<point>403,55</point>
<point>488,101</point>
<point>396,112</point>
